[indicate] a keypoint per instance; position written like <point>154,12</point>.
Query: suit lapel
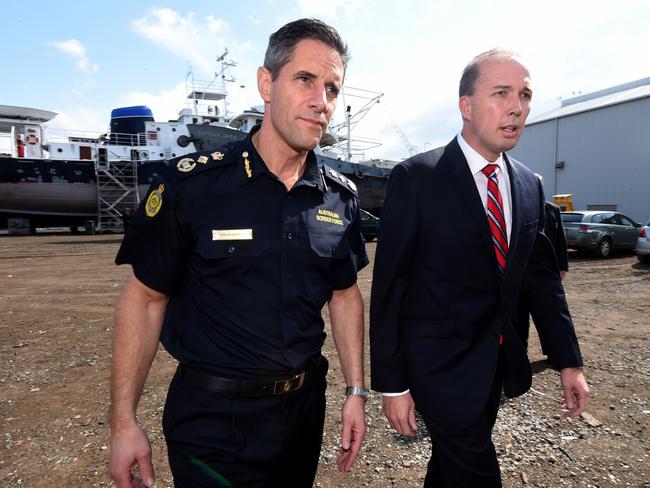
<point>463,181</point>
<point>516,192</point>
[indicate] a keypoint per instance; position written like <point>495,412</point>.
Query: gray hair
<point>284,41</point>
<point>472,71</point>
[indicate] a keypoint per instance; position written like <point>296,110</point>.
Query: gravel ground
<point>55,327</point>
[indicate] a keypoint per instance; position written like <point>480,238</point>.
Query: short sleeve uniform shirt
<point>247,264</point>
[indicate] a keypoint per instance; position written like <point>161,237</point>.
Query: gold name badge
<point>232,235</point>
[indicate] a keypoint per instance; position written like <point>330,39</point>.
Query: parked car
<point>369,225</point>
<point>643,244</point>
<point>599,231</point>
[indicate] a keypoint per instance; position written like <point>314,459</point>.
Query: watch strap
<point>358,391</point>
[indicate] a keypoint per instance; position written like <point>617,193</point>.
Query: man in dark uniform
<point>234,253</point>
<point>554,231</point>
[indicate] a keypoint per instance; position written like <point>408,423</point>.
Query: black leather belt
<point>246,387</point>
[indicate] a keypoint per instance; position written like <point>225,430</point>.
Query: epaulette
<point>198,162</point>
<point>338,178</point>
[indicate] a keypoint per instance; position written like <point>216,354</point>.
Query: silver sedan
<point>599,231</point>
<point>643,244</point>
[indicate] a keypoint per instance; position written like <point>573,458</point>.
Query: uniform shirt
<point>476,164</point>
<point>247,264</point>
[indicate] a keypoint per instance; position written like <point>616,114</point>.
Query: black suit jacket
<point>439,302</point>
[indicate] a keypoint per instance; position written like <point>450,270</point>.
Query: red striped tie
<point>496,218</point>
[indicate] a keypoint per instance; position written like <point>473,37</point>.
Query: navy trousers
<point>465,458</point>
<point>227,440</point>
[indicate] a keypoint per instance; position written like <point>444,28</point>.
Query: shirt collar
<point>252,165</point>
<point>475,161</point>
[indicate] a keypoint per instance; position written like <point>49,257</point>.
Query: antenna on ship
<point>214,90</point>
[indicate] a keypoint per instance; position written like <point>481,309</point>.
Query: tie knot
<point>490,169</point>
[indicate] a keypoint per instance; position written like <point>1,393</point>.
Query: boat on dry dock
<point>51,177</point>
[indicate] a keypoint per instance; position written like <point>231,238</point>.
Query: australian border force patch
<point>155,201</point>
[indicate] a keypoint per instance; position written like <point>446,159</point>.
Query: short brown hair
<point>284,41</point>
<point>472,71</point>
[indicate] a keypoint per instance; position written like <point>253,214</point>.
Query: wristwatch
<point>357,390</point>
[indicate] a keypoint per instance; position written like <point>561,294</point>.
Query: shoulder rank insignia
<point>186,165</point>
<point>346,181</point>
<point>154,202</point>
<point>202,159</point>
<point>217,156</point>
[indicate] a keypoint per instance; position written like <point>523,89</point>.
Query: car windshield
<point>571,217</point>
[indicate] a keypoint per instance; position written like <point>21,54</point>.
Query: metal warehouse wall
<point>606,155</point>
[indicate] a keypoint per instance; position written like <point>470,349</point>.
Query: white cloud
<point>165,105</point>
<point>85,121</point>
<point>77,51</point>
<point>198,41</point>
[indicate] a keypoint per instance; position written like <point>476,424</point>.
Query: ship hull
<point>59,192</point>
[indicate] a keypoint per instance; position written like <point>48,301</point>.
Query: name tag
<point>232,235</point>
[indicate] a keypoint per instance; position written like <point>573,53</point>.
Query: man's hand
<point>353,431</point>
<point>400,412</point>
<point>576,391</point>
<point>130,448</point>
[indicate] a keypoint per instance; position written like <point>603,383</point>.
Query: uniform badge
<point>328,217</point>
<point>217,156</point>
<point>186,165</point>
<point>247,164</point>
<point>202,159</point>
<point>154,202</point>
<point>334,173</point>
<point>352,185</point>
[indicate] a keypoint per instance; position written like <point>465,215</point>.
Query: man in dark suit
<point>461,243</point>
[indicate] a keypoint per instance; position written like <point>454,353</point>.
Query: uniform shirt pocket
<point>329,245</point>
<point>231,248</point>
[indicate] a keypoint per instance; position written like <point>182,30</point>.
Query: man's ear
<point>264,83</point>
<point>465,107</point>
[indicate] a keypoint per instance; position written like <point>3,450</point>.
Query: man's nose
<point>516,106</point>
<point>319,99</point>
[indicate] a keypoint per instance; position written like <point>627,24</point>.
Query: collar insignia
<point>247,164</point>
<point>217,156</point>
<point>202,160</point>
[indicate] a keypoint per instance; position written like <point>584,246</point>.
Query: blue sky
<point>82,60</point>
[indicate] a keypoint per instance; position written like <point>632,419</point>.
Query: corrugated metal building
<point>595,147</point>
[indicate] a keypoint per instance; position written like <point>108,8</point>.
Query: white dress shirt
<point>476,164</point>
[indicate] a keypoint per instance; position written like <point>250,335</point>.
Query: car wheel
<point>604,248</point>
<point>644,258</point>
<point>369,237</point>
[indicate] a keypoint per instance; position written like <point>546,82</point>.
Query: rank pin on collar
<point>247,164</point>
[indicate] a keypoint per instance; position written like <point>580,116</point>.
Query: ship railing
<point>89,137</point>
<point>53,134</point>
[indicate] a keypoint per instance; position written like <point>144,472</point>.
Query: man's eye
<point>333,90</point>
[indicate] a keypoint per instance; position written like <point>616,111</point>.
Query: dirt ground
<point>56,298</point>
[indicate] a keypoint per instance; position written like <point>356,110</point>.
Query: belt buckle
<point>281,387</point>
